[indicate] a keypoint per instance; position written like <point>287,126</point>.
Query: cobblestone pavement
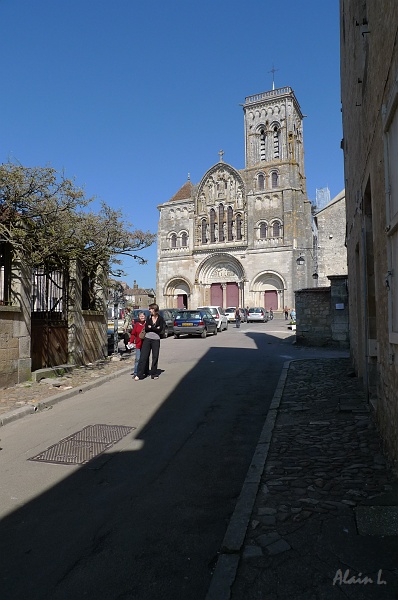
<point>325,471</point>
<point>30,392</point>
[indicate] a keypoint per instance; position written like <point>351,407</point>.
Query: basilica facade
<point>243,237</point>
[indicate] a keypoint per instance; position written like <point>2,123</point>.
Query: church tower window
<point>204,231</point>
<point>263,230</point>
<point>230,214</point>
<point>276,229</point>
<point>238,227</point>
<point>221,223</point>
<point>274,179</point>
<point>260,181</point>
<point>173,240</point>
<point>276,133</point>
<point>184,239</point>
<point>212,225</point>
<point>262,145</point>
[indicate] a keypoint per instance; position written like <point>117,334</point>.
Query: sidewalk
<point>28,397</point>
<point>318,514</point>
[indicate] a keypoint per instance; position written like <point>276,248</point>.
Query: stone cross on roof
<point>221,153</point>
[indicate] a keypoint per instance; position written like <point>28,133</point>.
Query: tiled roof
<point>184,193</point>
<point>136,292</point>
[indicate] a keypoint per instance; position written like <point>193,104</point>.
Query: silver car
<point>257,313</point>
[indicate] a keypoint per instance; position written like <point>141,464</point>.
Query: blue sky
<point>129,97</point>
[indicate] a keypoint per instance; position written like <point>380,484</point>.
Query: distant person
<point>127,327</point>
<point>237,317</point>
<point>293,314</point>
<point>286,311</point>
<point>271,314</point>
<point>154,327</point>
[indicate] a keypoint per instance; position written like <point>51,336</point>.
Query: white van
<point>219,316</point>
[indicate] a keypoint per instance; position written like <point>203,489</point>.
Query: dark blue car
<point>194,322</point>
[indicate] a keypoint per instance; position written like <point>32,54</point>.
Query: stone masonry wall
<point>313,317</point>
<point>322,315</point>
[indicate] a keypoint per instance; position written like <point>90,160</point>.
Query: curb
<point>227,564</point>
<point>19,413</point>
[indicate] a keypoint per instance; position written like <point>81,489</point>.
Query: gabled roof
<point>184,193</point>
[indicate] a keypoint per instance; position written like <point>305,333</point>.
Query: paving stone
<point>278,547</point>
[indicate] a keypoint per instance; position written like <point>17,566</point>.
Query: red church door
<point>232,294</point>
<point>271,299</point>
<point>216,294</point>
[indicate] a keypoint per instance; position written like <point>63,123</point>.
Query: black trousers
<point>147,347</point>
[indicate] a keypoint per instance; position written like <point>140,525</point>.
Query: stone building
<point>243,237</point>
<point>369,76</point>
<point>137,297</point>
<point>329,231</point>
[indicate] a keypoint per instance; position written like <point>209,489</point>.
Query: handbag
<point>141,335</point>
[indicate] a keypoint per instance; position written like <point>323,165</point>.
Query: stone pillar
<point>75,316</point>
<point>224,295</point>
<point>21,295</point>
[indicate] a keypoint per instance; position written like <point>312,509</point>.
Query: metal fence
<point>49,293</point>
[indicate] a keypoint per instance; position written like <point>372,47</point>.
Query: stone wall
<point>15,360</point>
<point>87,330</point>
<point>332,253</point>
<point>369,74</point>
<point>322,315</point>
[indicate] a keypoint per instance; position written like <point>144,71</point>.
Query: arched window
<point>276,229</point>
<point>262,144</point>
<point>173,241</point>
<point>230,215</point>
<point>238,227</point>
<point>221,223</point>
<point>275,134</point>
<point>263,230</point>
<point>212,225</point>
<point>204,231</point>
<point>184,239</point>
<point>274,179</point>
<point>260,181</point>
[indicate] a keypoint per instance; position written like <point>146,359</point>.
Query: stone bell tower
<point>274,137</point>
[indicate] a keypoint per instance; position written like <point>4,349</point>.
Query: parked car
<point>219,315</point>
<point>257,313</point>
<point>168,317</point>
<point>194,322</point>
<point>230,312</point>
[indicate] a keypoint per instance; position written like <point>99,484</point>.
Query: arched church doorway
<point>177,293</point>
<point>268,291</point>
<point>221,280</point>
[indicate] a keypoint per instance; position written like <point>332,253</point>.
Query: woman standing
<point>154,327</point>
<point>135,339</point>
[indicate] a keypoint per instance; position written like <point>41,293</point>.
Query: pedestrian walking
<point>237,317</point>
<point>271,314</point>
<point>154,328</point>
<point>286,311</point>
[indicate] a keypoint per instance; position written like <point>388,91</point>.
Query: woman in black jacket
<point>154,329</point>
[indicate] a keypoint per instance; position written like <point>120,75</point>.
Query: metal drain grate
<point>80,447</point>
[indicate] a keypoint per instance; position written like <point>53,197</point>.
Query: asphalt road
<point>146,519</point>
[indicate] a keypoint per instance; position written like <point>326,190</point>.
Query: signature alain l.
<point>344,578</point>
